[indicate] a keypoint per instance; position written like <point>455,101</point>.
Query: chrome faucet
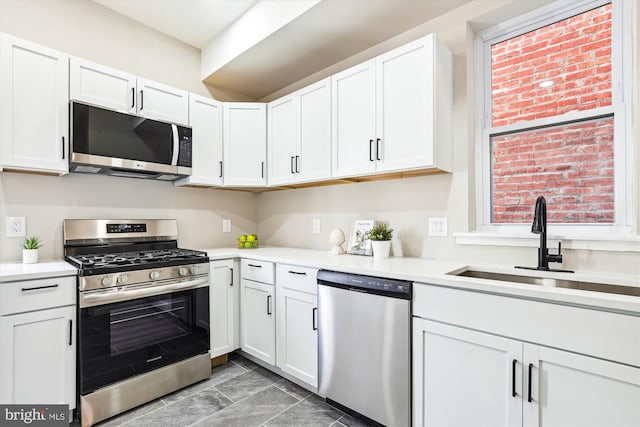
<point>539,226</point>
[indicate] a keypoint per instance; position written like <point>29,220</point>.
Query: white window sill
<point>625,243</point>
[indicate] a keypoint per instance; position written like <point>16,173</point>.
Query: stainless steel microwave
<point>112,143</point>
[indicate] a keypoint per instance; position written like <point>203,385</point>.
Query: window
<point>554,119</point>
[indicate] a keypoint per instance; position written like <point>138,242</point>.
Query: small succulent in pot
<point>380,232</point>
<point>31,242</point>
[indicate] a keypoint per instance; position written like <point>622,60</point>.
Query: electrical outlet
<point>16,226</point>
<point>316,226</point>
<point>226,226</point>
<point>438,226</point>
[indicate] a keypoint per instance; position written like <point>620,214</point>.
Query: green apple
<point>247,245</point>
<point>242,238</point>
<point>251,237</point>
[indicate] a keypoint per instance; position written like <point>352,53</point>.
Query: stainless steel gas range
<point>143,313</point>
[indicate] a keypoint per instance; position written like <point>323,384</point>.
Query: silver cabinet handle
<point>133,97</point>
<point>314,317</point>
<point>141,99</point>
<point>254,265</point>
<point>231,284</point>
<point>63,150</point>
<point>378,149</point>
<point>297,164</point>
<point>269,305</point>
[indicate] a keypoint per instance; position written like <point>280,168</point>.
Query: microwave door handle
<point>176,145</point>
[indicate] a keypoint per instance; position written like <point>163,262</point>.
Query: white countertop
<point>435,272</point>
<point>414,269</point>
<point>12,271</point>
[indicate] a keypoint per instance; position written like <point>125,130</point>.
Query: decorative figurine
<point>337,239</point>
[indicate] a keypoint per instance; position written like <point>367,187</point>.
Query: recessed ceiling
<point>327,33</point>
<point>195,22</point>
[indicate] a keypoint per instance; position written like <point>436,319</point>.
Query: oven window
<point>148,323</point>
<point>124,339</point>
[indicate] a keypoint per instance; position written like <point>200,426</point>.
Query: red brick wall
<point>572,166</point>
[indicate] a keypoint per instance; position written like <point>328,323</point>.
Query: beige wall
<point>46,201</point>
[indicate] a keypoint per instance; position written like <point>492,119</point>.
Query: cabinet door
<point>258,320</point>
<point>245,144</point>
<point>37,357</point>
<point>298,335</point>
<point>465,378</point>
<point>34,111</point>
<point>161,102</point>
<point>314,124</point>
<point>405,100</point>
<point>568,389</point>
<point>283,140</point>
<point>102,86</point>
<point>222,299</point>
<point>353,116</point>
<point>205,119</point>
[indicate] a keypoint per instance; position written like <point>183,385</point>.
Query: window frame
<point>620,109</point>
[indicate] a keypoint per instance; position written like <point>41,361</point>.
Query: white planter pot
<point>381,248</point>
<point>29,256</point>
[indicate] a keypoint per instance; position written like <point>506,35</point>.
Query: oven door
<point>147,327</point>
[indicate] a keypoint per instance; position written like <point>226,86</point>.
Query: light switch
<point>316,226</point>
<point>438,226</point>
<point>226,226</point>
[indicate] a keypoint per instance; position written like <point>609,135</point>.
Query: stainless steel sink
<point>551,282</point>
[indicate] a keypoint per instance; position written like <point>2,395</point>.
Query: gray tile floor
<point>239,393</point>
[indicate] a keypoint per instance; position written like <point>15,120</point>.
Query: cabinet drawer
<point>297,278</point>
<point>259,271</point>
<point>30,295</point>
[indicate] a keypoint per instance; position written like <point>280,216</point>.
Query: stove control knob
<point>183,271</point>
<point>154,275</point>
<point>122,279</point>
<point>194,269</point>
<point>107,281</point>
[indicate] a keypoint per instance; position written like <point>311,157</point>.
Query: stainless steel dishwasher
<point>364,351</point>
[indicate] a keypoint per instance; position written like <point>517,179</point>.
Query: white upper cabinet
<point>34,112</point>
<point>283,140</point>
<point>353,120</point>
<point>205,116</point>
<point>244,144</point>
<point>107,87</point>
<point>299,138</point>
<point>161,102</point>
<point>393,112</point>
<point>103,86</point>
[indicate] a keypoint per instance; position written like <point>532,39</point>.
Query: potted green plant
<point>30,250</point>
<point>380,236</point>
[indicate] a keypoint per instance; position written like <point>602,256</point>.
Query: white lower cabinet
<point>297,331</point>
<point>38,351</point>
<point>467,377</point>
<point>257,311</point>
<point>224,302</point>
<point>454,365</point>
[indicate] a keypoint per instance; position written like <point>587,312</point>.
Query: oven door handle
<point>106,297</point>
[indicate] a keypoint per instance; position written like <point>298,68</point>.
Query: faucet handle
<point>556,257</point>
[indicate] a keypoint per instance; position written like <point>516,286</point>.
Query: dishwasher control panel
<point>369,284</point>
